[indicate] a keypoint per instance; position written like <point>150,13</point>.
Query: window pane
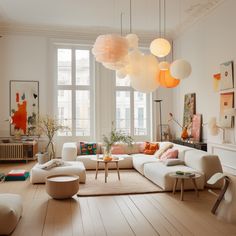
<point>82,113</point>
<point>65,110</point>
<point>82,67</point>
<point>123,111</point>
<point>64,66</point>
<point>140,113</point>
<point>123,82</point>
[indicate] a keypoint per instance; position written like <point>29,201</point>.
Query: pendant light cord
<point>130,16</point>
<point>160,18</point>
<point>164,19</point>
<point>121,23</point>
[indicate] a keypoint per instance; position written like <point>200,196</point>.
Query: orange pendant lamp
<point>166,80</point>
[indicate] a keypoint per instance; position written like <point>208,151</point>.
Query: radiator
<point>9,151</point>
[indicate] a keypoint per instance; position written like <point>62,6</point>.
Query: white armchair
<point>69,152</point>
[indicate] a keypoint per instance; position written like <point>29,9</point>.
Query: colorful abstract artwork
<point>227,75</point>
<point>24,106</point>
<point>226,102</point>
<point>189,110</point>
<point>216,82</point>
<point>196,127</point>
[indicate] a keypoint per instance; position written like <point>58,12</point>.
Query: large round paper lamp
<point>143,76</point>
<point>166,80</point>
<point>132,40</point>
<point>164,65</point>
<point>160,47</point>
<point>110,48</point>
<point>180,69</point>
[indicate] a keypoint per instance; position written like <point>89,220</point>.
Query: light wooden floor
<point>144,215</point>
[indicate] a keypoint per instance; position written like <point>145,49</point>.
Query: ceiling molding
<point>196,13</point>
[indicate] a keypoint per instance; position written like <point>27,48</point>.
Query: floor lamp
<point>159,101</point>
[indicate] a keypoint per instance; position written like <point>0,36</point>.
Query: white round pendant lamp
<point>180,69</point>
<point>160,47</point>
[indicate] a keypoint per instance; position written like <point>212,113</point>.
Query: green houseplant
<point>114,137</point>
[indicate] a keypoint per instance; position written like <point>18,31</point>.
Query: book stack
<point>17,175</point>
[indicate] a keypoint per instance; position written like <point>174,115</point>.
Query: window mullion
<point>73,93</point>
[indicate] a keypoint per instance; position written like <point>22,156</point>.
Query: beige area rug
<point>131,182</point>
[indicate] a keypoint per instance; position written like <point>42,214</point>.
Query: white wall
<point>28,57</point>
<point>206,45</point>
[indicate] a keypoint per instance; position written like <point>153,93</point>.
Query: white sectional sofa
<point>154,169</point>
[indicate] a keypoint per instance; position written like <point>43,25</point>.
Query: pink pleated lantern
<point>110,48</point>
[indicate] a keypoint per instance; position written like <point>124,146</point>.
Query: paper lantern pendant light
<point>110,48</point>
<point>164,65</point>
<point>160,47</point>
<point>180,69</point>
<point>166,80</point>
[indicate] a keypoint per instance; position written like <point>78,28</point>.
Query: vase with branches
<point>115,137</point>
<point>49,126</point>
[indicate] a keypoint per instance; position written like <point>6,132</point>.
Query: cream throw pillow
<point>163,149</point>
<point>51,164</point>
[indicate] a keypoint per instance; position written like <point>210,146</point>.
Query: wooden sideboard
<point>25,150</point>
<point>197,145</point>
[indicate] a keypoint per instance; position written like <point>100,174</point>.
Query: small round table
<point>182,178</point>
<point>115,160</point>
<point>62,186</point>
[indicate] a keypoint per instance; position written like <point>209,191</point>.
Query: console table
<point>198,145</point>
<point>25,150</point>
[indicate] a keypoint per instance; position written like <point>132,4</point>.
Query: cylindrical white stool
<point>62,186</point>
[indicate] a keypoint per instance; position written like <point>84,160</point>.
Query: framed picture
<point>189,109</point>
<point>196,127</point>
<point>227,75</point>
<point>24,106</point>
<point>226,102</point>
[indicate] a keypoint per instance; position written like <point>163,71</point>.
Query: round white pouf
<point>10,212</point>
<point>62,186</point>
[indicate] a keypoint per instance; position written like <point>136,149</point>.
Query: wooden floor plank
<point>134,217</point>
<point>154,216</point>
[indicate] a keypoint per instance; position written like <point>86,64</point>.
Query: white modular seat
<point>158,173</point>
<point>38,175</point>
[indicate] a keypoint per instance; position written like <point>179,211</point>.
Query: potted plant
<point>114,137</point>
<point>49,126</point>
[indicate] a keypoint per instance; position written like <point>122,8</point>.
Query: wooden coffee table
<point>182,178</point>
<point>99,160</point>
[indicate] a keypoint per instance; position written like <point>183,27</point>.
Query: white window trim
<point>74,88</point>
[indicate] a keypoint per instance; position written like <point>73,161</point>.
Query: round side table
<point>182,178</point>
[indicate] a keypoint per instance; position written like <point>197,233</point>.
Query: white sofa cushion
<point>140,159</point>
<point>69,152</point>
<point>91,164</point>
<point>204,162</point>
<point>158,173</point>
<point>38,175</point>
<point>10,212</point>
<point>182,150</point>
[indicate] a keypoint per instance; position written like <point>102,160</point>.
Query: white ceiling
<point>102,14</point>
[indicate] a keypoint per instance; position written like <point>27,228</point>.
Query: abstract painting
<point>189,109</point>
<point>227,75</point>
<point>196,127</point>
<point>24,106</point>
<point>226,102</point>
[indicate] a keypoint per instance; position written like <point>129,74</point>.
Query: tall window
<point>75,90</point>
<point>132,109</point>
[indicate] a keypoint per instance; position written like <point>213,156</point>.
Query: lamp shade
<point>143,72</point>
<point>160,47</point>
<point>164,65</point>
<point>166,80</point>
<point>180,69</point>
<point>132,41</point>
<point>110,48</point>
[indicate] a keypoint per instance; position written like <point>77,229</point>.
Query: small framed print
<point>227,75</point>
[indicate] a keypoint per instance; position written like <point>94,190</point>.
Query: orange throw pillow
<point>150,148</point>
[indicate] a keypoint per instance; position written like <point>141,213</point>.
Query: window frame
<point>132,120</point>
<point>73,87</point>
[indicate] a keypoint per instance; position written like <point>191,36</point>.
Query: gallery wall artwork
<point>196,127</point>
<point>226,102</point>
<point>189,109</point>
<point>24,106</point>
<point>227,75</point>
<point>216,82</point>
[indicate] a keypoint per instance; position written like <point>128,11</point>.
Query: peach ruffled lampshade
<point>110,48</point>
<point>166,80</point>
